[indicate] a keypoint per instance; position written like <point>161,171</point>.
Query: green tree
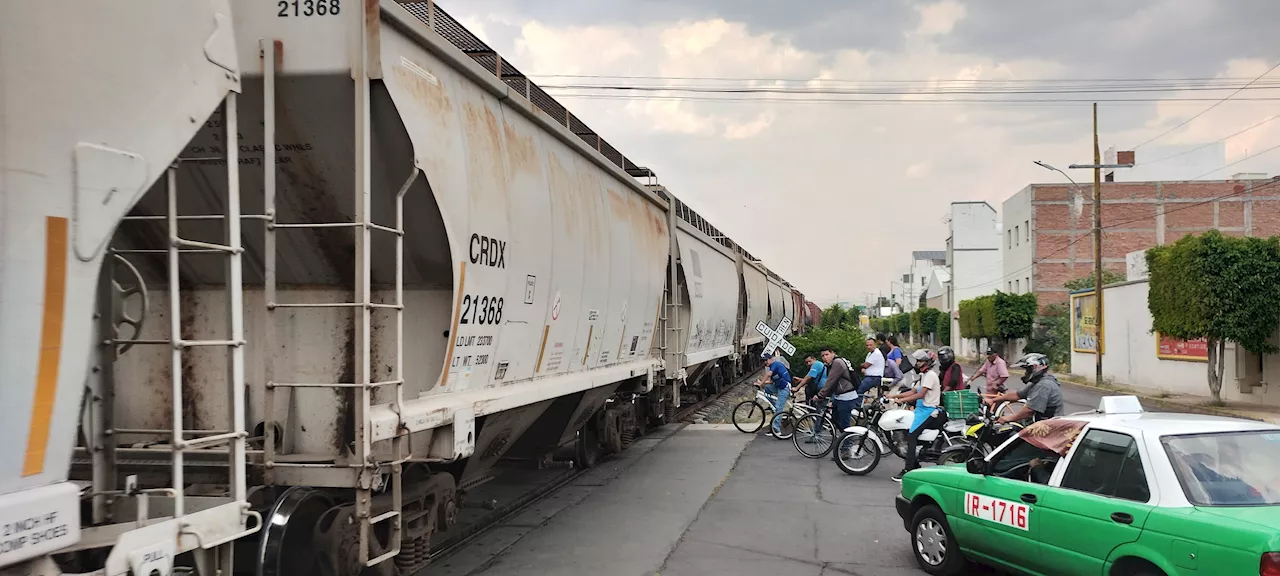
<point>1051,335</point>
<point>902,323</point>
<point>931,320</point>
<point>1015,314</point>
<point>944,331</point>
<point>1219,288</point>
<point>913,319</point>
<point>1108,277</point>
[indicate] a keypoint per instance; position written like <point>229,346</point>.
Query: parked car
<point>1119,491</point>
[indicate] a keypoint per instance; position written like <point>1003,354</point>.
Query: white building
<point>938,293</point>
<point>973,261</point>
<point>923,263</point>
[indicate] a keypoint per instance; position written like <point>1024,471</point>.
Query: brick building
<point>1047,239</point>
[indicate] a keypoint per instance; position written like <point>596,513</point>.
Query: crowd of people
<point>830,377</point>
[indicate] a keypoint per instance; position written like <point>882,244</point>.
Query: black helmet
<point>946,356</point>
<point>1036,365</point>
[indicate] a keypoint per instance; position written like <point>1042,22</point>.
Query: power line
<point>876,91</point>
<point>900,81</point>
<point>1202,112</point>
<point>1039,101</point>
<point>1203,146</point>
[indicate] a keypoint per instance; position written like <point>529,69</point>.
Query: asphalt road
<point>709,500</point>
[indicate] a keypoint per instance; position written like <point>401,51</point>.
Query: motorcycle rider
<point>952,373</point>
<point>927,395</point>
<point>1042,392</point>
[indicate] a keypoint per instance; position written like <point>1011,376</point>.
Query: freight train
<point>282,281</point>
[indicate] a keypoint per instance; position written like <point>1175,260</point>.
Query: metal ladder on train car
<point>269,51</point>
<point>182,440</point>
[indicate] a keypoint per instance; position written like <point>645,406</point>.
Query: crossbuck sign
<point>777,338</point>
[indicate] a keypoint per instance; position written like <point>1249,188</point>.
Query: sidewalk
<point>1172,402</point>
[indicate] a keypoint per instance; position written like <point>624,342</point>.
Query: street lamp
<point>1068,177</point>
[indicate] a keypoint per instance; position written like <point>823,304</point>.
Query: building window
<point>1026,225</point>
<point>1008,286</point>
<point>1028,283</point>
<point>1009,236</point>
<point>1017,236</point>
<point>1017,286</point>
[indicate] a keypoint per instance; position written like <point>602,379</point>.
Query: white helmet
<point>922,355</point>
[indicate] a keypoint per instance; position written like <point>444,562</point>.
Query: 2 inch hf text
<point>487,251</point>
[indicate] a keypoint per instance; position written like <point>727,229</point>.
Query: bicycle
<point>816,430</point>
<point>762,405</point>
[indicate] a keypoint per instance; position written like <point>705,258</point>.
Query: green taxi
<point>1118,491</point>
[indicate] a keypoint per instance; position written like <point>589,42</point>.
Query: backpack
<point>852,385</point>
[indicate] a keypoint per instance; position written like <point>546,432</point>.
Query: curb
<point>1161,402</point>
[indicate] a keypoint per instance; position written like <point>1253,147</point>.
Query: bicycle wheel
<point>748,416</point>
<point>1010,408</point>
<point>856,454</point>
<point>815,435</point>
<point>786,425</point>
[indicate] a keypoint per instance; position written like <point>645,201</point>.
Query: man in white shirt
<point>872,368</point>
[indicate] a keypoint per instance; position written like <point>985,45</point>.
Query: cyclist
<point>813,381</point>
<point>927,395</point>
<point>995,370</point>
<point>1042,392</point>
<point>780,385</point>
<point>840,386</point>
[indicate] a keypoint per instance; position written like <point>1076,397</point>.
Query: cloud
<point>836,178</point>
<point>939,17</point>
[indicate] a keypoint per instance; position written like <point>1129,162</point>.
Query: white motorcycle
<point>887,426</point>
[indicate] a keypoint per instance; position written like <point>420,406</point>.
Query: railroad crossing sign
<point>777,338</point>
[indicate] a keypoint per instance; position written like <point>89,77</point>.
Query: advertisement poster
<point>1170,348</point>
<point>1085,336</point>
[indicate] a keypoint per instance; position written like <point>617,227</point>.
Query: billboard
<point>1170,348</point>
<point>1085,336</point>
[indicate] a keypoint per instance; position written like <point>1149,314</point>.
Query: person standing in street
<point>779,382</point>
<point>995,370</point>
<point>894,355</point>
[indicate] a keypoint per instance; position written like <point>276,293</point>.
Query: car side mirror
<point>976,465</point>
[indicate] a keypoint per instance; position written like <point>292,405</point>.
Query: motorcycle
<point>885,430</point>
<point>982,436</point>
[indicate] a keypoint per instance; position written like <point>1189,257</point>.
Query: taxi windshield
<point>1227,469</point>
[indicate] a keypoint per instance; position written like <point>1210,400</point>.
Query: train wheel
<point>588,447</point>
<point>288,545</point>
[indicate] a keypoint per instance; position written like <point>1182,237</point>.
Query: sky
<point>834,196</point>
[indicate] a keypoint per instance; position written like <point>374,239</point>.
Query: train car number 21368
<point>298,8</point>
<point>481,309</point>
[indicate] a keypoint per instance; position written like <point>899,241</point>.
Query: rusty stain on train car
<point>520,151</point>
<point>486,185</point>
<point>192,391</point>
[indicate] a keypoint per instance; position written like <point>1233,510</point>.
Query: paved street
<point>706,500</point>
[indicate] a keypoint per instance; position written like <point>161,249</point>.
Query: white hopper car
<point>302,349</point>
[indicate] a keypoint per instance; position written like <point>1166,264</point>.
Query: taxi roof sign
<point>1120,405</point>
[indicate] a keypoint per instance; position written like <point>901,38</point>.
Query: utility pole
<point>1124,160</point>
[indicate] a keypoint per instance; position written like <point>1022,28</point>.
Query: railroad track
<point>686,412</point>
<point>462,535</point>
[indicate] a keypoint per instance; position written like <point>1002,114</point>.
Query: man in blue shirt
<point>780,384</point>
<point>813,381</point>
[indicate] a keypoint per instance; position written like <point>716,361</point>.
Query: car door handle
<point>1122,518</point>
<point>1029,498</point>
